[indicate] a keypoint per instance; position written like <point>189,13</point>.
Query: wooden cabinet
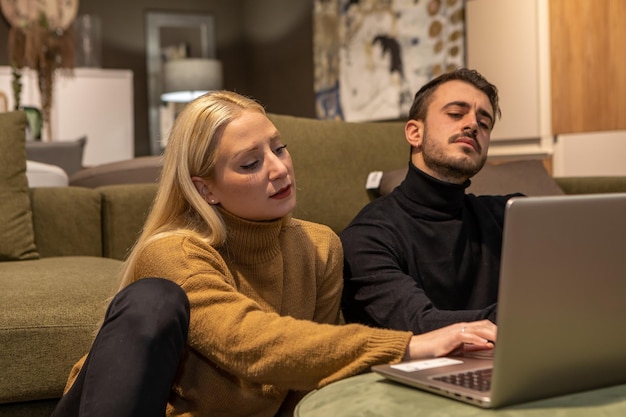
<point>559,66</point>
<point>588,65</point>
<point>92,102</point>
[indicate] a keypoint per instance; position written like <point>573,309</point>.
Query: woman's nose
<point>278,169</point>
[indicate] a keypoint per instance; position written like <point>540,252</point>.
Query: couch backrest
<point>67,221</point>
<point>79,221</point>
<point>124,211</point>
<point>332,160</point>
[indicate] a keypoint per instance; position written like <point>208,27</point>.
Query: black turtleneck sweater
<point>424,256</point>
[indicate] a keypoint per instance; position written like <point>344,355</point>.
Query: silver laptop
<point>561,308</point>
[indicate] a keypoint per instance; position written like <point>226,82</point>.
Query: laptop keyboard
<point>479,380</point>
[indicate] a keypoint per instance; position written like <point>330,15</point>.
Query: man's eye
<point>455,115</point>
<point>485,125</point>
<point>280,149</point>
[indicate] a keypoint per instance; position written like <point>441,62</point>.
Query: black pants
<point>133,361</point>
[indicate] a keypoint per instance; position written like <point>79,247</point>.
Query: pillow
<point>528,177</point>
<point>67,154</point>
<point>45,175</point>
<point>17,236</point>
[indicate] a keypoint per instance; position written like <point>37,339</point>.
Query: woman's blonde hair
<point>178,207</point>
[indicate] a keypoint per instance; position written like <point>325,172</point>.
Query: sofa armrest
<point>67,221</point>
<point>124,211</point>
<point>592,185</point>
<point>142,169</point>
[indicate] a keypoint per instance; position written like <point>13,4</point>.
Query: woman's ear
<point>414,133</point>
<point>203,188</point>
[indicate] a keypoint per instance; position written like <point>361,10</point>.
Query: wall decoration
<point>371,56</point>
<point>40,38</point>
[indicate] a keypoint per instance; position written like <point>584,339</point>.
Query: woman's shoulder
<point>178,255</point>
<point>179,243</point>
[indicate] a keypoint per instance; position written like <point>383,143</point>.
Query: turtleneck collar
<point>432,198</point>
<point>250,242</point>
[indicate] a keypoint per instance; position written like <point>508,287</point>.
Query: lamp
<point>189,78</point>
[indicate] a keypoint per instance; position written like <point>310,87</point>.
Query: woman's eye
<point>280,149</point>
<point>250,165</point>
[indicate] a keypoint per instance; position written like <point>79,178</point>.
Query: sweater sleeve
<point>232,331</point>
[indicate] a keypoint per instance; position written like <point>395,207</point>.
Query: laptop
<point>561,307</point>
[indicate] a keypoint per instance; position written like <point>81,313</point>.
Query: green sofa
<point>51,302</point>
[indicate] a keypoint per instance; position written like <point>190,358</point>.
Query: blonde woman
<point>228,305</point>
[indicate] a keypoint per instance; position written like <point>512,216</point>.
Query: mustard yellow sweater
<point>263,313</point>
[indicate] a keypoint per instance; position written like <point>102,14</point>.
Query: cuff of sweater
<point>388,346</point>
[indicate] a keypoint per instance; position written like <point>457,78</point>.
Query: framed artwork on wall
<point>372,56</point>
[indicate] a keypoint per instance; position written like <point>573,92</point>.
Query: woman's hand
<point>472,336</point>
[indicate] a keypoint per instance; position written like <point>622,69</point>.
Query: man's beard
<point>450,168</point>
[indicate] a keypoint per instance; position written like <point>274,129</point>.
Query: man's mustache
<point>467,133</point>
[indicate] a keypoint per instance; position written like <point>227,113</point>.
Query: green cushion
<point>43,334</point>
<point>67,221</point>
<point>325,194</point>
<point>124,211</point>
<point>17,238</point>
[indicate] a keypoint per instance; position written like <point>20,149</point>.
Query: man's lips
<point>468,141</point>
<point>282,193</point>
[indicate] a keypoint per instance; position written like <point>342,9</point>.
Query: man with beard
<point>428,254</point>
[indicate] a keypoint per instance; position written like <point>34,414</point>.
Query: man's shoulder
<point>380,214</point>
<point>494,200</point>
<point>495,204</point>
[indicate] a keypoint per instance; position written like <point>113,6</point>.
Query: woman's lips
<point>282,193</point>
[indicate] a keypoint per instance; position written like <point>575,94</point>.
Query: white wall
<point>91,102</point>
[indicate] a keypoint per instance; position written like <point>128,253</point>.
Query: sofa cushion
<point>67,221</point>
<point>325,194</point>
<point>45,333</point>
<point>45,175</point>
<point>123,208</point>
<point>528,177</point>
<point>67,154</point>
<point>17,238</point>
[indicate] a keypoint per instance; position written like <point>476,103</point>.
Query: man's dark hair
<point>424,96</point>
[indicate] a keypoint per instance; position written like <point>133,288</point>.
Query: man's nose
<point>471,124</point>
